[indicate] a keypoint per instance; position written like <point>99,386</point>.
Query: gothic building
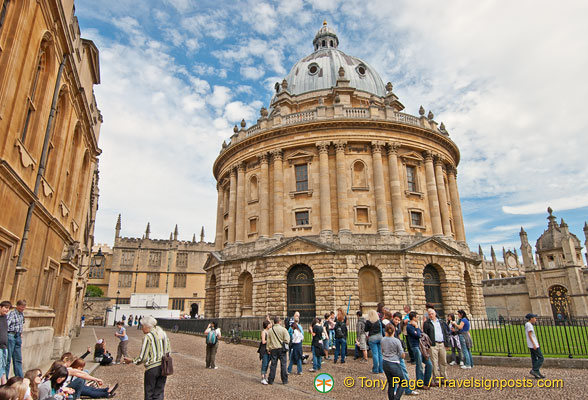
<point>552,284</point>
<point>336,195</point>
<point>49,130</point>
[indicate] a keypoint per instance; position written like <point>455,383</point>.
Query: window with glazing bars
<point>411,178</point>
<point>301,177</point>
<point>302,218</point>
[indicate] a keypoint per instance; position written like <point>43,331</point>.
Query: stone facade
<point>336,181</point>
<point>145,265</point>
<point>49,130</point>
<point>554,284</point>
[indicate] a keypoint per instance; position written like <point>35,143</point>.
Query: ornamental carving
<point>64,209</point>
<point>323,147</point>
<point>340,146</point>
<point>47,189</point>
<point>377,147</point>
<point>428,155</point>
<point>25,158</point>
<point>278,155</point>
<point>263,158</point>
<point>393,148</point>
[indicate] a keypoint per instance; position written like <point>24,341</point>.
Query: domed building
<point>334,196</point>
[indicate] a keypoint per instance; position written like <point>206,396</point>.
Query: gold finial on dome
<point>325,22</point>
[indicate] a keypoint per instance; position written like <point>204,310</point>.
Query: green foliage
<point>94,291</point>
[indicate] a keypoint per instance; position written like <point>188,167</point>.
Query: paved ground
<point>238,377</point>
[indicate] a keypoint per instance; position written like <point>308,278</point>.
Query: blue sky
<point>508,81</point>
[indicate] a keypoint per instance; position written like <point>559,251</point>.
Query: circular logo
<point>323,383</point>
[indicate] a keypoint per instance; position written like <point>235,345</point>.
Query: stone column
<point>325,188</point>
<point>432,194</point>
<point>240,222</point>
<point>381,212</point>
<point>232,204</point>
<point>264,196</point>
<point>342,206</point>
<point>443,207</point>
<point>455,204</point>
<point>278,193</point>
<point>395,191</point>
<point>218,242</point>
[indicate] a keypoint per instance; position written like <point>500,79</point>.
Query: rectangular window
<point>362,215</point>
<point>127,257</point>
<point>226,235</point>
<point>125,279</point>
<point>155,258</point>
<point>180,280</point>
<point>49,278</point>
<point>416,218</point>
<point>182,260</point>
<point>152,280</point>
<point>301,177</point>
<point>178,304</point>
<point>302,218</point>
<point>253,225</point>
<point>124,301</point>
<point>96,273</point>
<point>411,178</point>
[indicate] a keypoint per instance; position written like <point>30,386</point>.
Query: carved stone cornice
<point>323,147</point>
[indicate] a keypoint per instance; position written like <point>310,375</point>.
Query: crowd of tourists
<point>389,336</point>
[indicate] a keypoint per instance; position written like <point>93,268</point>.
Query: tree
<point>94,291</point>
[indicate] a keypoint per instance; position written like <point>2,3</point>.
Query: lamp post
<point>116,306</point>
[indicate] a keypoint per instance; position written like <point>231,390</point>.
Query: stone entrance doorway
<point>560,306</point>
<point>432,283</point>
<point>301,291</point>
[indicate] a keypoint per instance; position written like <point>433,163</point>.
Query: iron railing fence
<point>500,336</point>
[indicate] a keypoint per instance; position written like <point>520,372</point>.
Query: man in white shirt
<point>533,345</point>
<point>438,333</point>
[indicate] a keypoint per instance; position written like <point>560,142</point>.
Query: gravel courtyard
<point>238,376</point>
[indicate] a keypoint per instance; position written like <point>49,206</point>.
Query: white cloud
<point>219,97</point>
<point>562,203</point>
<point>252,72</point>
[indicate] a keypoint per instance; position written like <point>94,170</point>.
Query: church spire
<point>147,231</point>
<point>117,228</point>
<point>202,234</point>
<point>176,232</point>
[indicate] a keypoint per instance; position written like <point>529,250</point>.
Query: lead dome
<point>320,70</point>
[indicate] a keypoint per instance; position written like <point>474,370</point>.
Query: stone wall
<point>95,309</point>
<point>507,297</point>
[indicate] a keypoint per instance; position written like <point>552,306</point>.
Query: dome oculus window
<point>313,69</point>
<point>361,70</point>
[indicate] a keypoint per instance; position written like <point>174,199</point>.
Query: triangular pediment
<point>433,245</point>
<point>213,259</point>
<point>297,245</point>
<point>300,156</point>
<point>411,156</point>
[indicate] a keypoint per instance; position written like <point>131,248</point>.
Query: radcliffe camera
<point>252,199</point>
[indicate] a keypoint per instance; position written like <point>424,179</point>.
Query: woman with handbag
<point>154,348</point>
<point>263,354</point>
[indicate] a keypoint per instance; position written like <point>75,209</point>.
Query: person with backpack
<point>340,336</point>
<point>213,334</point>
<point>361,338</point>
<point>296,337</point>
<point>414,339</point>
<point>374,328</point>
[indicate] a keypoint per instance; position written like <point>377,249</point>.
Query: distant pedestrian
<point>4,365</point>
<point>139,323</point>
<point>361,337</point>
<point>316,330</point>
<point>121,333</point>
<point>465,340</point>
<point>213,335</point>
<point>340,336</point>
<point>123,319</point>
<point>277,336</point>
<point>456,355</point>
<point>154,346</point>
<point>533,345</point>
<point>262,350</point>
<point>16,322</point>
<point>374,328</point>
<point>83,321</point>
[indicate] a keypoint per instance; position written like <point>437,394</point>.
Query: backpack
<point>340,330</point>
<point>211,337</point>
<point>425,346</point>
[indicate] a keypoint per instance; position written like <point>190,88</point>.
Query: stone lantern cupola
<point>325,38</point>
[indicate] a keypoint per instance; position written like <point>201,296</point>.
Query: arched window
<point>370,287</point>
<point>491,275</point>
<point>246,286</point>
<point>432,284</point>
<point>253,188</point>
<point>359,175</point>
<point>301,296</point>
<point>560,304</point>
<point>324,43</point>
<point>331,43</point>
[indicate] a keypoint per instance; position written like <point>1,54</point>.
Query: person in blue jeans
<point>465,340</point>
<point>414,336</point>
<point>16,321</point>
<point>374,328</point>
<point>263,354</point>
<point>397,321</point>
<point>316,329</point>
<point>340,336</point>
<point>296,336</point>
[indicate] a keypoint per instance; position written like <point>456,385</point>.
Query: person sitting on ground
<point>54,387</point>
<point>102,356</point>
<point>22,387</point>
<point>8,393</point>
<point>68,359</point>
<point>79,384</point>
<point>34,376</point>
